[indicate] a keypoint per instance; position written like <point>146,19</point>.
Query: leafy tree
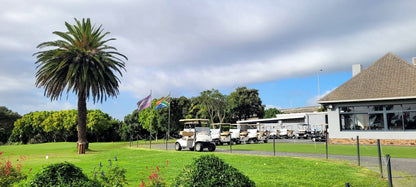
<point>81,62</point>
<point>245,103</point>
<point>7,119</point>
<point>215,104</point>
<point>56,126</point>
<point>179,109</point>
<point>196,110</point>
<point>131,127</point>
<point>97,123</point>
<point>271,112</point>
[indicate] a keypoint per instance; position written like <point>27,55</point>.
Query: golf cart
<point>215,133</point>
<point>223,136</point>
<point>194,136</point>
<point>235,134</point>
<point>253,135</point>
<point>263,135</point>
<point>285,133</point>
<point>274,133</point>
<point>304,131</point>
<point>319,133</point>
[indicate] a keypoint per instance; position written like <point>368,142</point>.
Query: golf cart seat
<point>226,133</point>
<point>244,133</point>
<point>187,133</point>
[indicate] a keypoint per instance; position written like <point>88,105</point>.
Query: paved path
<point>402,168</point>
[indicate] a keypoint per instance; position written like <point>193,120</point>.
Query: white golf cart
<point>215,133</point>
<point>235,134</point>
<point>285,133</point>
<point>319,133</point>
<point>253,135</point>
<point>227,133</point>
<point>304,131</point>
<point>194,136</point>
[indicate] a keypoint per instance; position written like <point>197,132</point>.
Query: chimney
<point>414,60</point>
<point>356,69</point>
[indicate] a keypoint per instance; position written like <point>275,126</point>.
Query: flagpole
<point>151,112</point>
<point>167,136</point>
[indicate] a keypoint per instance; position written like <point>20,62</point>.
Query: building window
<point>396,117</point>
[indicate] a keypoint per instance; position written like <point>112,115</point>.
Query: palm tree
<point>81,62</point>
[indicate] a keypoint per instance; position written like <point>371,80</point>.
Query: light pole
<point>319,89</point>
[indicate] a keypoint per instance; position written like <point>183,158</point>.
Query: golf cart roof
<point>247,124</point>
<point>194,121</point>
<point>220,123</point>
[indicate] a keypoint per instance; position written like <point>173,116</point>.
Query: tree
<point>245,103</point>
<point>271,112</point>
<point>215,104</point>
<point>81,62</point>
<point>7,119</point>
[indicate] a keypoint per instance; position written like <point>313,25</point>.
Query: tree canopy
<point>7,119</point>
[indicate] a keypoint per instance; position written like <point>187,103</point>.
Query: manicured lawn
<point>365,150</point>
<point>263,170</point>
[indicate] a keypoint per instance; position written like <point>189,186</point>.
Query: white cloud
<point>47,106</point>
<point>190,46</point>
<point>313,100</point>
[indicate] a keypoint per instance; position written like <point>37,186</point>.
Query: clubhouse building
<point>378,102</point>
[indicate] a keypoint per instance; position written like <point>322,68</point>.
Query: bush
<point>62,174</point>
<point>209,170</point>
<point>114,176</point>
<point>8,173</point>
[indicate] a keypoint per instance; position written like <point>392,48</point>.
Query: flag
<point>144,103</point>
<point>163,103</point>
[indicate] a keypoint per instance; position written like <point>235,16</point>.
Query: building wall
<point>335,132</point>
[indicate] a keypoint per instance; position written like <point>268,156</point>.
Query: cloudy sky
<point>185,47</point>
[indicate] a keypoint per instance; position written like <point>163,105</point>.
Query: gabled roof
<point>389,78</point>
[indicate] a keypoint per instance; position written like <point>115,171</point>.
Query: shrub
<point>62,174</point>
<point>8,173</point>
<point>114,176</point>
<point>209,170</point>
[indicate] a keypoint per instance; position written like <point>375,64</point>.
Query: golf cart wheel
<point>211,148</point>
<point>178,146</point>
<point>265,141</point>
<point>314,139</point>
<point>198,147</point>
<point>251,141</point>
<point>238,142</point>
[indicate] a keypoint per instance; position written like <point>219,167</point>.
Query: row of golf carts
<point>304,131</point>
<point>196,137</point>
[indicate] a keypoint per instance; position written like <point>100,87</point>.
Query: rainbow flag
<point>164,102</point>
<point>144,103</point>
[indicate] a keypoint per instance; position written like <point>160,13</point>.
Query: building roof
<point>389,78</point>
<point>306,109</point>
<point>280,117</point>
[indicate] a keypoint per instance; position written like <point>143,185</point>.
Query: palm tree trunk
<point>82,143</point>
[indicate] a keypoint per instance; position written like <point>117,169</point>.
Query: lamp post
<point>319,89</point>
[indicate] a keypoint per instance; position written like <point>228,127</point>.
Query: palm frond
<point>81,62</point>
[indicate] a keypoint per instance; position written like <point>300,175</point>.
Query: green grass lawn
<point>365,150</point>
<point>263,170</point>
